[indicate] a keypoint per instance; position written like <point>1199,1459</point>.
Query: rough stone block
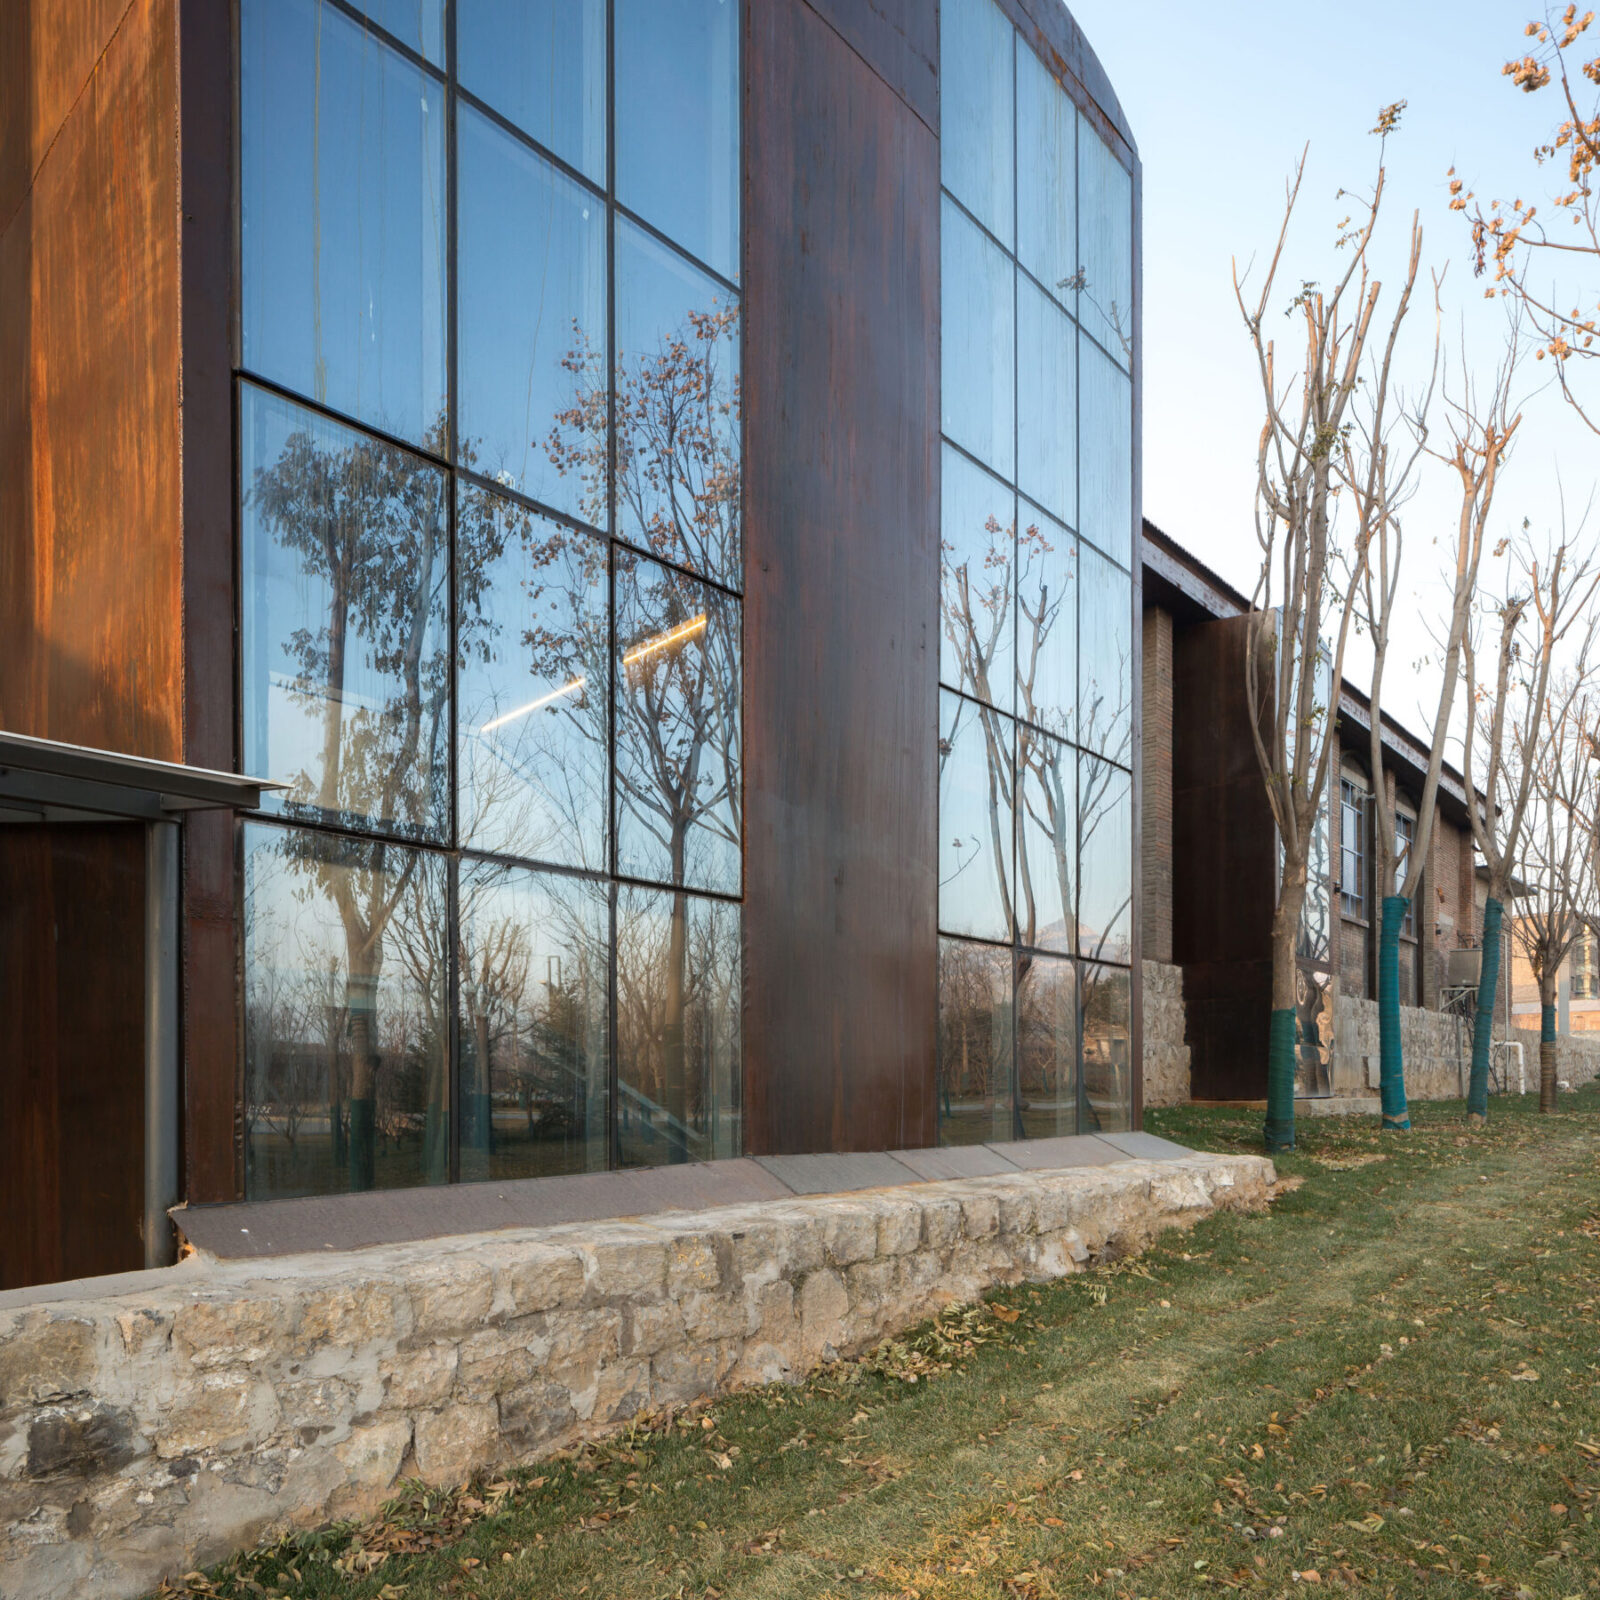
<point>899,1227</point>
<point>692,1264</point>
<point>941,1223</point>
<point>421,1377</point>
<point>452,1298</point>
<point>713,1316</point>
<point>538,1278</point>
<point>372,1454</point>
<point>235,1331</point>
<point>224,1411</point>
<point>648,1328</point>
<point>82,1440</point>
<point>630,1266</point>
<point>456,1441</point>
<point>346,1315</point>
<point>980,1215</point>
<point>48,1358</point>
<point>496,1359</point>
<point>534,1415</point>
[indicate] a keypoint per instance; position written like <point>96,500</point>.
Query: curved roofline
<point>1058,36</point>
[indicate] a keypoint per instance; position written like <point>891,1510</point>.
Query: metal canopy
<point>43,781</point>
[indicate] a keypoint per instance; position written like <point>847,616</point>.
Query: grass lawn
<point>1391,1383</point>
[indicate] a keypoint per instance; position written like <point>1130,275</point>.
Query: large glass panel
<point>678,729</point>
<point>1107,1049</point>
<point>533,684</point>
<point>531,323</point>
<point>1047,403</point>
<point>346,1014</point>
<point>1105,453</point>
<point>975,1043</point>
<point>978,333</point>
<point>346,639</point>
<point>1105,868</point>
<point>677,410</point>
<point>975,844</point>
<point>1047,623</point>
<point>1105,659</point>
<point>542,65</point>
<point>679,985</point>
<point>342,218</point>
<point>417,23</point>
<point>535,1046</point>
<point>1105,246</point>
<point>1047,841</point>
<point>1047,124</point>
<point>977,647</point>
<point>975,47</point>
<point>677,118</point>
<point>1047,1046</point>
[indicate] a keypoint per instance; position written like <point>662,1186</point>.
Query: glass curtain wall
<point>489,494</point>
<point>1036,605</point>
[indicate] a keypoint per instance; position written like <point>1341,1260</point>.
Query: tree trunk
<point>1279,1129</point>
<point>363,988</point>
<point>674,1045</point>
<point>1547,1042</point>
<point>1483,1027</point>
<point>1392,1075</point>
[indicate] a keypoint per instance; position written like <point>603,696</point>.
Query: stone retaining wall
<point>149,1432</point>
<point>1166,1051</point>
<point>1438,1049</point>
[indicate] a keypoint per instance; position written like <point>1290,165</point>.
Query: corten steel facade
<point>655,481</point>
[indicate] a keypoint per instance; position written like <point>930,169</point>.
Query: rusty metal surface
<point>898,40</point>
<point>90,639</point>
<point>841,581</point>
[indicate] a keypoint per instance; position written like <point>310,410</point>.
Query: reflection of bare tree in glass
<point>370,523</point>
<point>677,712</point>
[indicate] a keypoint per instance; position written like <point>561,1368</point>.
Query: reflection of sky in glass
<point>677,117</point>
<point>1105,443</point>
<point>1107,1049</point>
<point>1105,661</point>
<point>975,1043</point>
<point>1047,622</point>
<point>975,845</point>
<point>679,977</point>
<point>1047,403</point>
<point>1105,871</point>
<point>1047,1045</point>
<point>678,729</point>
<point>533,982</point>
<point>533,688</point>
<point>1047,841</point>
<point>978,342</point>
<point>344,551</point>
<point>975,110</point>
<point>677,409</point>
<point>302,991</point>
<point>418,23</point>
<point>1105,239</point>
<point>542,65</point>
<point>1047,123</point>
<point>531,257</point>
<point>977,628</point>
<point>342,217</point>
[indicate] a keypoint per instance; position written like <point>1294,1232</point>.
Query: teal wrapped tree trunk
<point>1280,1081</point>
<point>1392,1068</point>
<point>1483,1029</point>
<point>1547,1056</point>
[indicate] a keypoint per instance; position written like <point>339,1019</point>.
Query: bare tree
<point>1509,719</point>
<point>1512,242</point>
<point>1379,478</point>
<point>1298,468</point>
<point>1550,917</point>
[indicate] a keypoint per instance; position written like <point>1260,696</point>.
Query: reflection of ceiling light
<point>662,641</point>
<point>533,705</point>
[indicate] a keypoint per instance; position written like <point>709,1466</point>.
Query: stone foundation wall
<point>1437,1056</point>
<point>1166,1054</point>
<point>149,1432</point>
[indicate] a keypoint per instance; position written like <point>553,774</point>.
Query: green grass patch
<point>1390,1383</point>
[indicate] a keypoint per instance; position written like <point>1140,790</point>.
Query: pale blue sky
<point>1221,99</point>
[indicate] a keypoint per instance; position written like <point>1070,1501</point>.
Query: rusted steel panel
<point>71,1073</point>
<point>90,636</point>
<point>841,580</point>
<point>899,40</point>
<point>212,1079</point>
<point>1060,43</point>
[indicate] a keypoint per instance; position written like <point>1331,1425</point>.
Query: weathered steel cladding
<point>841,385</point>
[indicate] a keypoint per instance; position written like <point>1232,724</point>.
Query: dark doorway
<point>72,1054</point>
